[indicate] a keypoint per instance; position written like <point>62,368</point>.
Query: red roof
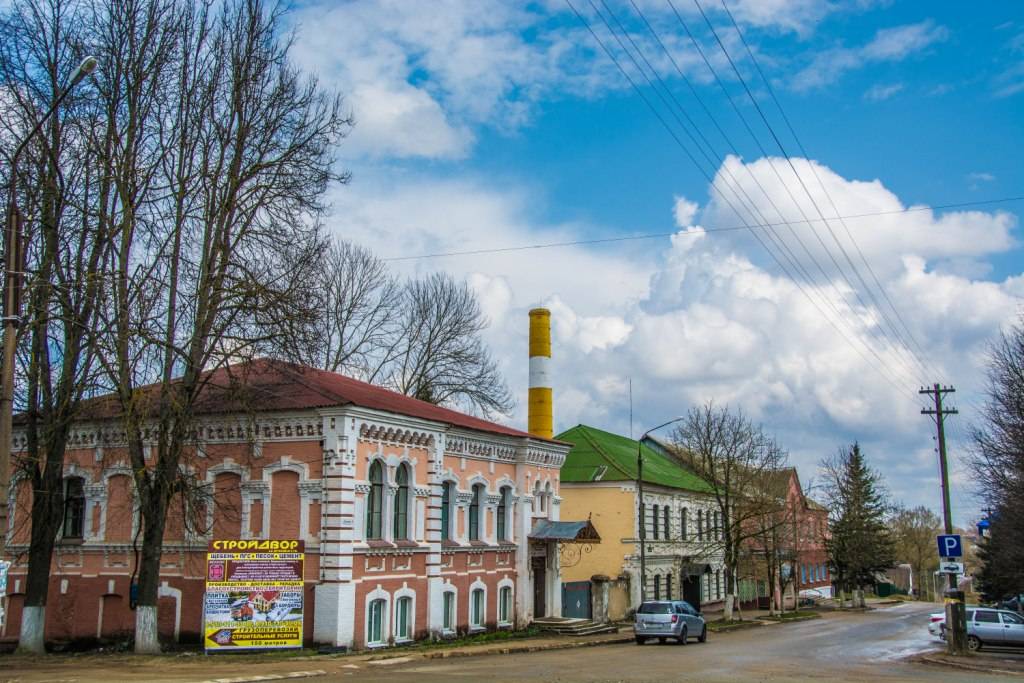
<point>270,385</point>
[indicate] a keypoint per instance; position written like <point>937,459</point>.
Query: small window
<point>668,586</point>
<point>375,623</point>
<point>664,513</point>
<point>803,573</point>
<point>401,504</point>
<point>449,611</point>
<point>477,612</point>
<point>502,511</point>
<point>986,616</point>
<point>74,507</point>
<point>403,619</point>
<point>474,512</point>
<point>375,501</point>
<point>700,525</point>
<point>446,511</point>
<point>682,524</point>
<point>657,587</point>
<point>654,523</point>
<point>505,605</point>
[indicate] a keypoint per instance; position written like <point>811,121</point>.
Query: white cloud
<point>888,45</point>
<point>879,92</point>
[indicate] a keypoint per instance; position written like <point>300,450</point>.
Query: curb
<point>449,654</point>
<point>268,677</point>
<point>970,667</point>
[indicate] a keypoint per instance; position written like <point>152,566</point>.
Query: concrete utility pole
<point>956,624</point>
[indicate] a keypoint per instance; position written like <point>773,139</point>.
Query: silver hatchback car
<point>663,619</point>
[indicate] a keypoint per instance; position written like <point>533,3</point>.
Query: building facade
<point>416,518</point>
<point>683,554</point>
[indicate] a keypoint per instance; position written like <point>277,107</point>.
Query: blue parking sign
<point>950,545</point>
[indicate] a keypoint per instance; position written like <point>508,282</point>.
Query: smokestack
<point>540,421</point>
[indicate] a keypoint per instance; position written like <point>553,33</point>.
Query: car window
<point>986,616</point>
<point>970,615</point>
<point>1009,618</point>
<point>655,608</point>
<point>688,607</point>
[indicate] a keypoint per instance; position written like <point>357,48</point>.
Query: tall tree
<point>997,463</point>
<point>41,44</point>
<point>218,153</point>
<point>860,544</point>
<point>914,531</point>
<point>735,458</point>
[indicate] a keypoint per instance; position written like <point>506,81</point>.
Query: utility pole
<point>956,625</point>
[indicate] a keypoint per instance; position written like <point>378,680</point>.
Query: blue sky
<point>495,124</point>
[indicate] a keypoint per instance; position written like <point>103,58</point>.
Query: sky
<point>495,125</point>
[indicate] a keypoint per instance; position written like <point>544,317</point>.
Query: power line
<point>821,184</point>
<point>731,228</point>
<point>814,203</point>
<point>881,368</point>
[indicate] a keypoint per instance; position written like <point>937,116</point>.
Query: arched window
<point>654,522</point>
<point>657,587</point>
<point>449,611</point>
<point>375,501</point>
<point>474,512</point>
<point>401,504</point>
<point>664,513</point>
<point>74,507</point>
<point>682,524</point>
<point>502,511</point>
<point>375,623</point>
<point>538,497</point>
<point>668,586</point>
<point>446,511</point>
<point>403,619</point>
<point>700,525</point>
<point>476,612</point>
<point>505,605</point>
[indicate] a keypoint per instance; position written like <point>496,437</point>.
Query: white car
<point>936,621</point>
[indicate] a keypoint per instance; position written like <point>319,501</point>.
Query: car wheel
<point>682,637</point>
<point>703,637</point>
<point>639,640</point>
<point>973,643</point>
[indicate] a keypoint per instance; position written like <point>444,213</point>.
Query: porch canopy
<point>565,532</point>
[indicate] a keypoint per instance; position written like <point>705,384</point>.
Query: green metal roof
<point>598,455</point>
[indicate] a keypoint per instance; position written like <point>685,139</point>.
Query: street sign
<point>950,545</point>
<point>951,567</point>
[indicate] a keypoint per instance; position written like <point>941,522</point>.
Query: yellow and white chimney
<point>540,420</point>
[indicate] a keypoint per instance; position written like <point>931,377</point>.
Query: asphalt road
<point>872,646</point>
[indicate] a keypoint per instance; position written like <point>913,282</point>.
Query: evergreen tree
<point>861,544</point>
<point>1002,553</point>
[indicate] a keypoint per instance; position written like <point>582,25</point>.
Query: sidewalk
<point>1009,663</point>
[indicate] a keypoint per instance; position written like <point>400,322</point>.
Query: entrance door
<point>539,566</point>
<point>576,599</point>
<point>691,591</point>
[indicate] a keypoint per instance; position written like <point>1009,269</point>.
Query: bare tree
<point>40,46</point>
<point>218,153</point>
<point>439,355</point>
<point>356,326</point>
<point>734,458</point>
<point>914,531</point>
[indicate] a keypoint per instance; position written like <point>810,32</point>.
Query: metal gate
<point>576,599</point>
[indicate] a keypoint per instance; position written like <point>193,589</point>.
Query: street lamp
<point>12,296</point>
<point>643,512</point>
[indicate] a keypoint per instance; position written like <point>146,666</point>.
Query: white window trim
<point>502,585</point>
<point>385,627</point>
<point>450,589</point>
<point>405,592</point>
<point>482,625</point>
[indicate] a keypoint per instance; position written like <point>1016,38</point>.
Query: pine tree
<point>861,544</point>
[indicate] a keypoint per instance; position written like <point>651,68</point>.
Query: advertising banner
<point>253,595</point>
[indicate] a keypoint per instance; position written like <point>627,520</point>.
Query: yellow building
<point>683,552</point>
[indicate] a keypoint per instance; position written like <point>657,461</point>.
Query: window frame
<point>477,621</point>
<point>375,502</point>
<point>475,504</point>
<point>380,605</point>
<point>682,524</point>
<point>403,608</point>
<point>74,509</point>
<point>400,505</point>
<point>448,608</point>
<point>501,523</point>
<point>505,605</point>
<point>654,522</point>
<point>446,510</point>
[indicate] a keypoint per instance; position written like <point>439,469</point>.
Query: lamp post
<point>12,297</point>
<point>643,512</point>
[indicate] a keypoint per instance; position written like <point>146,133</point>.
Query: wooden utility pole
<point>956,626</point>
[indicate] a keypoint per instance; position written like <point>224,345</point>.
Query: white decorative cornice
<point>389,434</point>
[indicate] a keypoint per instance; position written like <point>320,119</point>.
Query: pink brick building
<point>416,518</point>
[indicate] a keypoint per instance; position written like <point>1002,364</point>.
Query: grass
<point>475,639</point>
<point>723,625</point>
<point>794,616</point>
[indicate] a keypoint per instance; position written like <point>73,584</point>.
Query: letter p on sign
<point>950,546</point>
